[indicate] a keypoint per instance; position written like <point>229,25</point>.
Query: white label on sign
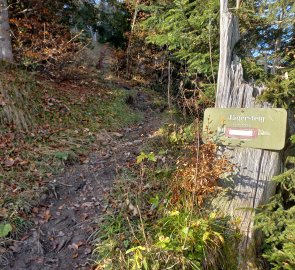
<point>241,133</point>
<point>246,133</point>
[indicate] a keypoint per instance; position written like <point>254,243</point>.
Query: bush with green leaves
<point>276,221</point>
<point>148,230</point>
<point>280,91</point>
<point>178,239</point>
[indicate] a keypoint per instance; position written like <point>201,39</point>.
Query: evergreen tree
<point>189,30</point>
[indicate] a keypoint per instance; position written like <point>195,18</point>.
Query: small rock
<point>104,143</point>
<point>43,197</point>
<point>100,137</point>
<point>117,134</point>
<point>87,251</point>
<point>87,204</point>
<point>15,248</point>
<point>129,143</point>
<point>85,161</point>
<point>60,234</point>
<point>107,155</point>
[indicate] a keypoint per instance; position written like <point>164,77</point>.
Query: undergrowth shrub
<point>280,92</point>
<point>174,239</point>
<point>40,40</point>
<point>276,221</point>
<point>152,230</point>
<point>199,171</point>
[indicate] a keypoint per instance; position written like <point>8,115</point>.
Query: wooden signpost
<point>247,135</point>
<point>252,185</point>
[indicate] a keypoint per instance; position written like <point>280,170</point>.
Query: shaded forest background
<point>148,38</point>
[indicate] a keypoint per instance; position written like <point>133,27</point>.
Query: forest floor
<point>69,213</point>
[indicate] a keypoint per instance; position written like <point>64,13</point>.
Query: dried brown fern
<point>198,172</point>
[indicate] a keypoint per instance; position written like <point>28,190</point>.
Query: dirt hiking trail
<point>70,211</point>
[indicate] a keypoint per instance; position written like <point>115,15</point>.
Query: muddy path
<point>70,211</point>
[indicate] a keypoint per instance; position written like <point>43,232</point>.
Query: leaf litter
<point>68,214</point>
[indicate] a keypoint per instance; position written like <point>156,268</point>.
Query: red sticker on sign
<point>241,133</point>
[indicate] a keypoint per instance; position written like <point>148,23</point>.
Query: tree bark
<point>252,183</point>
<point>5,40</point>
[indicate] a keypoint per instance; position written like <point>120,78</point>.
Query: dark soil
<point>70,212</point>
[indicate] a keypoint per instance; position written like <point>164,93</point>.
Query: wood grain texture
<point>252,183</point>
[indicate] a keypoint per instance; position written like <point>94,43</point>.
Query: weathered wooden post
<point>252,184</point>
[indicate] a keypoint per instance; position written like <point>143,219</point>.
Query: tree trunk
<point>278,44</point>
<point>128,50</point>
<point>5,41</point>
<point>252,184</point>
<point>169,85</point>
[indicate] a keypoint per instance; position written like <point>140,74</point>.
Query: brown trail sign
<point>252,183</point>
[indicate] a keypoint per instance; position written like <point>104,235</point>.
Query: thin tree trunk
<point>252,184</point>
<point>265,65</point>
<point>278,44</point>
<point>5,41</point>
<point>128,51</point>
<point>169,85</point>
<point>93,34</point>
